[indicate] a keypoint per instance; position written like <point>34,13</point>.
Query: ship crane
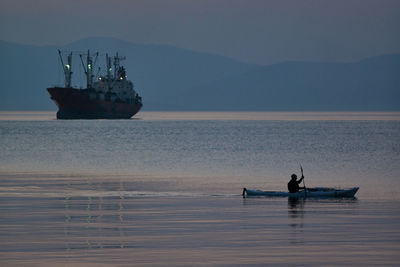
<point>67,68</point>
<point>89,68</point>
<point>109,70</point>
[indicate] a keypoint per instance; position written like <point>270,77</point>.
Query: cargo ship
<point>109,96</point>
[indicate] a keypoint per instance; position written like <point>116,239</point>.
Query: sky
<point>254,31</point>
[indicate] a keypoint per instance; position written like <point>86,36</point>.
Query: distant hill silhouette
<point>171,78</point>
<point>369,85</point>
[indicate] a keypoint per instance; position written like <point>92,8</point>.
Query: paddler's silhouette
<point>293,185</point>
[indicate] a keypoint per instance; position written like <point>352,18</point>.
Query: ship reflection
<point>94,222</point>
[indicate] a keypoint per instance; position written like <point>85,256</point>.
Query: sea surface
<point>164,189</point>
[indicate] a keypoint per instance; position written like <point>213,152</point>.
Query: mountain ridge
<point>172,78</point>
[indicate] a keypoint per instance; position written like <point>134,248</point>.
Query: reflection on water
<point>330,218</point>
<point>86,214</point>
<point>300,208</point>
<point>165,189</point>
<point>295,209</point>
<point>84,220</point>
<point>296,219</point>
<point>121,217</point>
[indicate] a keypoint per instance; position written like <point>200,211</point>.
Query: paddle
<point>302,175</point>
<point>304,183</point>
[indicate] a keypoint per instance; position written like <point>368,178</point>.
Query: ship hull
<point>75,104</point>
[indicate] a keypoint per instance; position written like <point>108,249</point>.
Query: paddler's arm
<point>301,179</point>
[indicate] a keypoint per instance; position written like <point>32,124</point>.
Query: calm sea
<point>165,188</point>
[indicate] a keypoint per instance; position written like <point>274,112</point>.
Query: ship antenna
<point>67,68</point>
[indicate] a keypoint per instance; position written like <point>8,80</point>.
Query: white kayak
<point>319,192</point>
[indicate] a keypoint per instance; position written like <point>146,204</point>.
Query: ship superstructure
<point>109,96</point>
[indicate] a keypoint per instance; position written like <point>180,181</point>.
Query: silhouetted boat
<point>319,192</point>
<point>110,97</point>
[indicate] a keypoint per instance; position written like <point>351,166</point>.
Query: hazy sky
<point>258,31</point>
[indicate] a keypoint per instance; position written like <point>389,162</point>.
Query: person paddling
<point>293,185</point>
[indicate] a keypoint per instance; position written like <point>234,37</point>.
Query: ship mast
<point>89,68</point>
<point>109,70</point>
<point>116,64</point>
<point>67,69</point>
